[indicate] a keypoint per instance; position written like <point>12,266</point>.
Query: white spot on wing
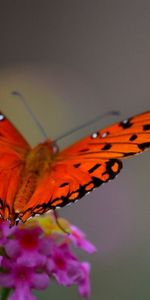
<point>76,200</point>
<point>87,193</point>
<point>104,134</point>
<point>125,121</point>
<point>68,204</point>
<point>94,135</point>
<point>1,117</point>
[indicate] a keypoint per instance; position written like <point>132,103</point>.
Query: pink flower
<point>79,240</point>
<point>27,246</point>
<point>22,279</point>
<point>33,254</point>
<point>67,270</point>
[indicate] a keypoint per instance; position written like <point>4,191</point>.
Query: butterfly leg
<point>58,223</point>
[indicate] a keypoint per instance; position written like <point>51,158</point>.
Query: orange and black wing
<point>89,163</point>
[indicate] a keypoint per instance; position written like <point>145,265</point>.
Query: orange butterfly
<point>36,180</point>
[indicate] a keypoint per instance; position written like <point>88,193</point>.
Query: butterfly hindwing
<point>69,181</point>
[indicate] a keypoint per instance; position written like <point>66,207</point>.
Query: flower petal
<point>32,259</point>
<point>22,292</point>
<point>12,248</point>
<point>79,240</point>
<point>84,282</point>
<point>40,281</point>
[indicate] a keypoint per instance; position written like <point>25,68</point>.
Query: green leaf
<point>4,293</point>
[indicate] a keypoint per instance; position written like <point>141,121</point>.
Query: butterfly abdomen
<point>38,163</point>
<point>25,192</point>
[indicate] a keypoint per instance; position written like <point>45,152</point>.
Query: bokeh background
<point>73,60</point>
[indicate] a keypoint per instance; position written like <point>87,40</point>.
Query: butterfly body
<point>37,163</point>
<point>33,181</point>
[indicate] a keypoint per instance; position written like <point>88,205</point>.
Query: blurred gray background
<point>73,60</point>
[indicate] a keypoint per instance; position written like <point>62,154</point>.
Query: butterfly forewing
<point>13,149</point>
<point>10,134</point>
<point>122,139</point>
<point>90,162</point>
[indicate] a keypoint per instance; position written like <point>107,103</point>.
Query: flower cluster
<point>33,254</point>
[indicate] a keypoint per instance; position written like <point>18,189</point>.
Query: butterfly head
<point>53,147</point>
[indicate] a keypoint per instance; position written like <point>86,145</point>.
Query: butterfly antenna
<point>33,116</point>
<point>98,118</point>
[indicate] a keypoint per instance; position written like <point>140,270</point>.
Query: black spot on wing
<point>109,170</point>
<point>64,184</point>
<point>109,167</point>
<point>128,154</point>
<point>77,165</point>
<point>133,137</point>
<point>97,181</point>
<point>107,147</point>
<point>1,204</point>
<point>144,146</point>
<point>146,127</point>
<point>84,150</point>
<point>94,168</point>
<point>81,192</point>
<point>126,124</point>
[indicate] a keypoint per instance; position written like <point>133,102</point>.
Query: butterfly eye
<point>55,147</point>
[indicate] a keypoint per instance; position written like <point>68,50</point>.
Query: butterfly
<point>35,180</point>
